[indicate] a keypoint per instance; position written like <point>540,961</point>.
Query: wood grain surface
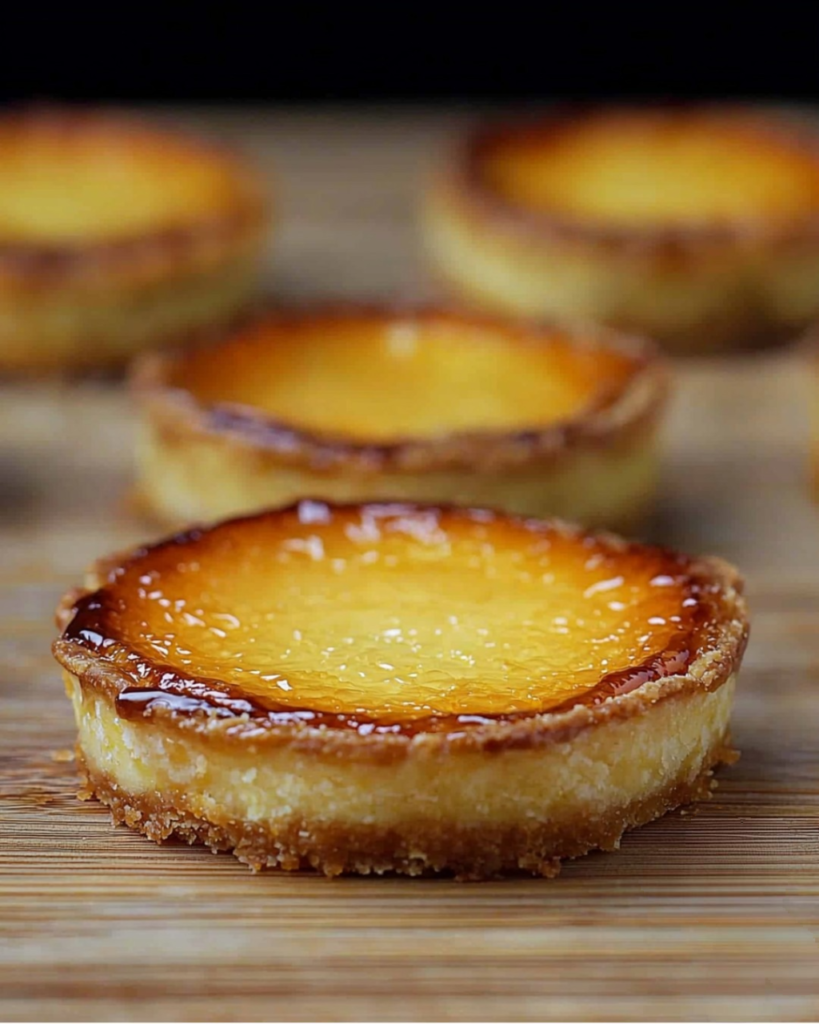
<point>712,915</point>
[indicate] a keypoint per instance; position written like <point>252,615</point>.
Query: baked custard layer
<point>345,687</point>
<point>697,226</point>
<point>115,235</point>
<point>354,404</point>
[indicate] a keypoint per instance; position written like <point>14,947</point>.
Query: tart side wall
<point>611,484</point>
<point>84,328</point>
<point>696,297</point>
<point>486,812</point>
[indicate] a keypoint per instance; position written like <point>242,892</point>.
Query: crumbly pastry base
<point>416,808</point>
<point>470,854</point>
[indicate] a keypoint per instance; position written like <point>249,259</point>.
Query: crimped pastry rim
<point>708,671</point>
<point>461,183</point>
<point>148,253</point>
<point>618,412</point>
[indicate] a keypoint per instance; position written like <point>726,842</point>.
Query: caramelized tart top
<point>381,377</point>
<point>72,179</point>
<point>660,168</point>
<point>390,619</point>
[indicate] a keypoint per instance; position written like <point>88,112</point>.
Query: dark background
<point>275,53</point>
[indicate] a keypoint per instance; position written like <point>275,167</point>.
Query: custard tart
<point>401,688</point>
<point>354,404</point>
<point>115,236</point>
<point>697,226</point>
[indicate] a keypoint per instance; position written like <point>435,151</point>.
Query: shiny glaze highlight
<point>594,584</point>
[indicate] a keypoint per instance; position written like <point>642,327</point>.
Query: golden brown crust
<point>628,408</point>
<point>709,667</point>
<point>728,331</point>
<point>469,853</point>
<point>28,268</point>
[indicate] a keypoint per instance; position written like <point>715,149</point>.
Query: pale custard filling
<point>628,169</point>
<point>371,379</point>
<point>397,616</point>
<point>57,187</point>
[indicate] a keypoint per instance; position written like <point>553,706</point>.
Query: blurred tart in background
<point>696,226</point>
<point>115,236</point>
<point>355,403</point>
<point>401,688</point>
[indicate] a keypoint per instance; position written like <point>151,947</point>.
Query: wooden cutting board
<point>713,915</point>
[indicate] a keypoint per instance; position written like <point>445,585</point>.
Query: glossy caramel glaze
<point>658,168</point>
<point>69,178</point>
<point>391,618</point>
<point>381,376</point>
